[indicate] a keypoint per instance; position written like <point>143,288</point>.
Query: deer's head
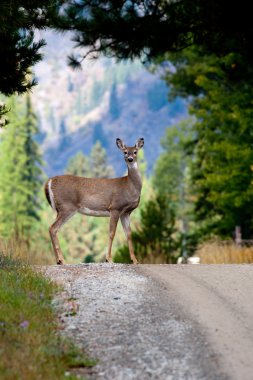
<point>130,152</point>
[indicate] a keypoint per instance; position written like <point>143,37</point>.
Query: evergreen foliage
<point>18,49</point>
<point>128,29</point>
<point>95,165</point>
<point>98,162</point>
<point>221,98</point>
<point>85,237</point>
<point>172,177</point>
<point>173,165</point>
<point>78,165</point>
<point>3,111</point>
<point>156,236</point>
<point>20,173</point>
<point>118,28</point>
<point>157,228</point>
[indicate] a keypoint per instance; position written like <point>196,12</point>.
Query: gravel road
<point>164,322</point>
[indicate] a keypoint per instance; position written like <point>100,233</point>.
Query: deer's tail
<point>49,193</point>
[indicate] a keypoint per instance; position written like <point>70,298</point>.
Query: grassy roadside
<point>30,345</point>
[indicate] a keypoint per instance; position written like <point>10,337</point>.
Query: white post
<point>238,235</point>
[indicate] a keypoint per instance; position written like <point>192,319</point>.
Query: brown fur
<point>116,197</point>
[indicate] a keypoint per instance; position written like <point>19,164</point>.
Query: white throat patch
<point>133,165</point>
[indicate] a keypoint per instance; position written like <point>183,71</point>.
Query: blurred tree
<point>98,162</point>
<point>156,236</point>
<point>78,165</point>
<point>3,111</point>
<point>20,172</point>
<point>82,238</point>
<point>93,166</point>
<point>172,177</point>
<point>172,166</point>
<point>157,229</point>
<point>221,100</point>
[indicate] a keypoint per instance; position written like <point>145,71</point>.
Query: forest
<point>201,187</point>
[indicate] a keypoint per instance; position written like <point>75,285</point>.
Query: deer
<point>115,198</point>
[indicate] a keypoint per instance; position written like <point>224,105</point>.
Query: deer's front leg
<point>125,221</point>
<point>114,217</point>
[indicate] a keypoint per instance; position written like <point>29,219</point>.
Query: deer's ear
<point>120,144</point>
<point>139,143</point>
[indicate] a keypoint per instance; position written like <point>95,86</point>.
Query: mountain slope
<point>102,101</point>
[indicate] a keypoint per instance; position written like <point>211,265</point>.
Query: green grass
<point>31,347</point>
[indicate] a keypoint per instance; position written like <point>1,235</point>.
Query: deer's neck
<point>134,176</point>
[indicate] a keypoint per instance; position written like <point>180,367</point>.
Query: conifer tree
<point>78,165</point>
<point>221,102</point>
<point>156,236</point>
<point>140,28</point>
<point>98,162</point>
<point>20,173</point>
<point>19,49</point>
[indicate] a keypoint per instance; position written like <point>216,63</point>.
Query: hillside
<point>102,101</point>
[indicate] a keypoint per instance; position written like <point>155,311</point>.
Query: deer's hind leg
<point>62,217</point>
<point>125,221</point>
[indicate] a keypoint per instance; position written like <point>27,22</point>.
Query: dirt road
<point>164,322</point>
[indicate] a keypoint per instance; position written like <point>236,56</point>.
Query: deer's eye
<point>125,153</point>
<point>135,152</point>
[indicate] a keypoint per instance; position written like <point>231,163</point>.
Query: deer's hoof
<point>60,262</point>
<point>135,262</point>
<point>108,261</point>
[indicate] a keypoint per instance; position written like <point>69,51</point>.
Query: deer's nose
<point>130,159</point>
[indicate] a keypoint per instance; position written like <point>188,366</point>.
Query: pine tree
<point>157,229</point>
<point>172,178</point>
<point>20,173</point>
<point>156,236</point>
<point>98,162</point>
<point>129,29</point>
<point>221,102</point>
<point>78,165</point>
<point>19,50</point>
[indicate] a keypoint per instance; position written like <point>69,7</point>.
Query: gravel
<point>133,324</point>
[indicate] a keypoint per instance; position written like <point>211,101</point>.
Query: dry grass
<point>14,250</point>
<point>224,252</point>
<point>18,250</point>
